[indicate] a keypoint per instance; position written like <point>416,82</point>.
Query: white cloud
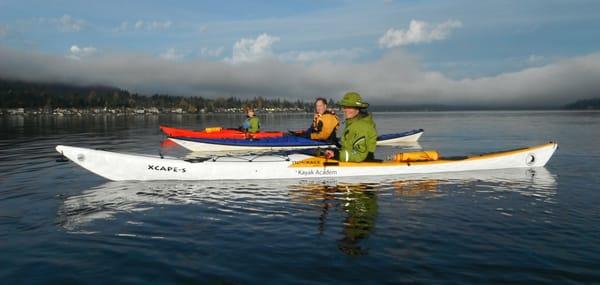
<point>252,50</point>
<point>144,25</point>
<point>122,27</point>
<point>66,23</point>
<point>76,52</point>
<point>159,25</point>
<point>535,59</point>
<point>396,78</point>
<point>418,32</point>
<point>153,25</point>
<point>171,54</point>
<point>207,52</point>
<point>321,55</point>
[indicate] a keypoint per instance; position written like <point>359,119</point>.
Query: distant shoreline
<point>73,112</point>
<point>18,97</point>
<point>130,111</point>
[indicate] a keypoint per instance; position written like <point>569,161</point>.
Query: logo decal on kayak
<point>319,172</point>
<point>166,168</point>
<point>309,162</point>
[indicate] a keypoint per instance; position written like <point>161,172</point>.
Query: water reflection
<point>350,204</point>
<point>358,202</point>
<point>416,187</point>
<point>108,200</point>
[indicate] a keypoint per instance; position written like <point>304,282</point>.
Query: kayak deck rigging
<point>247,158</point>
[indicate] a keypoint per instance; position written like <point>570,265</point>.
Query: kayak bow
<point>217,133</point>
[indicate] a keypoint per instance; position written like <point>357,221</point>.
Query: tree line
<point>586,104</point>
<point>18,94</point>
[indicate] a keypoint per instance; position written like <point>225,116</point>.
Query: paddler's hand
<point>329,154</point>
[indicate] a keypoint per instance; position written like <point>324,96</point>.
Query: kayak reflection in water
<point>252,123</point>
<point>359,203</point>
<point>409,188</point>
<point>361,210</point>
<point>324,125</point>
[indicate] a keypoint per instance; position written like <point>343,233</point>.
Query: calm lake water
<point>61,224</point>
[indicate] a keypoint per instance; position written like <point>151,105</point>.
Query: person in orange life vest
<point>324,124</point>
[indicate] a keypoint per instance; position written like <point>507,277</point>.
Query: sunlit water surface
<point>60,223</point>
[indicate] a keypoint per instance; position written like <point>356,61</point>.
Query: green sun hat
<point>353,99</point>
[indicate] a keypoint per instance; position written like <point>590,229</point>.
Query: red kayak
<point>217,133</point>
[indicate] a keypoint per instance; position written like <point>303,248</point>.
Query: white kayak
<point>119,166</point>
<point>283,142</point>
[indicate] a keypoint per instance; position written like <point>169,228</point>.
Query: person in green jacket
<point>359,137</point>
<point>252,123</point>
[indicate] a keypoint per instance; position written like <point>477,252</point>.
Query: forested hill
<point>28,95</point>
<point>34,96</point>
<point>587,104</point>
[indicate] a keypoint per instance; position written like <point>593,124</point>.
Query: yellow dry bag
<point>213,130</point>
<point>427,155</point>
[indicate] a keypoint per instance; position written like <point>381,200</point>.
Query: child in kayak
<point>359,138</point>
<point>252,123</point>
<point>324,124</point>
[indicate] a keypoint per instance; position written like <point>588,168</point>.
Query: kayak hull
<point>411,137</point>
<point>210,146</point>
<point>220,134</point>
<point>283,143</point>
<point>120,167</point>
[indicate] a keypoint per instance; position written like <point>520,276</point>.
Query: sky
<point>393,52</point>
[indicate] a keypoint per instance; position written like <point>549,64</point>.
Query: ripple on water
<point>59,222</point>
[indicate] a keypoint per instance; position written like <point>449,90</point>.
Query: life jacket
<point>251,124</point>
<point>324,127</point>
<point>359,139</point>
